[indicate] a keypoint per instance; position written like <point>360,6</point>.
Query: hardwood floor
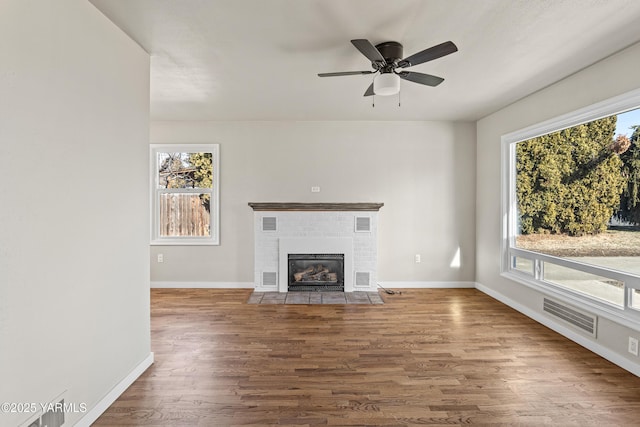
<point>426,357</point>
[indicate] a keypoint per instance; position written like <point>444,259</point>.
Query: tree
<point>630,200</point>
<point>202,174</point>
<point>569,181</point>
<point>174,171</point>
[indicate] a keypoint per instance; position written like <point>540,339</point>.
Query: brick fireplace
<point>344,231</point>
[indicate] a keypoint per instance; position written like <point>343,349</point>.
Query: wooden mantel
<point>291,206</point>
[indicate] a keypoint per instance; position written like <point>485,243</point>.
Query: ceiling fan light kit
<point>387,63</point>
<point>386,84</point>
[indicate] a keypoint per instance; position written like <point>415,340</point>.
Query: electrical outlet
<point>418,258</point>
<point>160,258</point>
<point>315,189</point>
<point>633,346</point>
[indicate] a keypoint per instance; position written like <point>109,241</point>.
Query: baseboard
<point>600,350</point>
<point>204,285</point>
<point>251,285</point>
<point>427,285</point>
<point>94,413</point>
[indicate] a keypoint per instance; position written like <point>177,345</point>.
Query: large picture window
<point>571,191</point>
<point>184,182</point>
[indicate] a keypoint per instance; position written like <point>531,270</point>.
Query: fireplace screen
<point>316,272</point>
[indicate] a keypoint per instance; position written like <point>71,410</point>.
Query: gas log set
<point>315,273</point>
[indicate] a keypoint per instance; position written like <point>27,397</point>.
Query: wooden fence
<point>183,215</point>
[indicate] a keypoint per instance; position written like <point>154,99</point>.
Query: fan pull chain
<point>373,98</point>
<point>398,98</point>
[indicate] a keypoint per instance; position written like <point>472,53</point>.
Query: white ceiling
<point>259,59</point>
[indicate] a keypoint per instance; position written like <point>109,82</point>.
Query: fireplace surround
<point>318,229</point>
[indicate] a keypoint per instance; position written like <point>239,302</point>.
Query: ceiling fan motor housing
<point>392,53</point>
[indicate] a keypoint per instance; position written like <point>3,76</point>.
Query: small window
<point>522,265</point>
<point>635,299</point>
<point>184,193</point>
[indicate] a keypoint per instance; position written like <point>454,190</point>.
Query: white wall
<point>613,76</point>
<point>74,255</point>
<point>422,171</point>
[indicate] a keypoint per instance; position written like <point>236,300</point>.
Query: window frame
<point>214,205</point>
<point>625,315</point>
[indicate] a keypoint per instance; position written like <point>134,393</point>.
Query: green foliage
<point>630,203</point>
<point>203,174</point>
<point>569,181</point>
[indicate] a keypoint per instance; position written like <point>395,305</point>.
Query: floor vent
<point>269,223</point>
<point>363,279</point>
<point>269,279</point>
<point>363,224</point>
<point>582,320</point>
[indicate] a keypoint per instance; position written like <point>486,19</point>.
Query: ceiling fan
<point>386,59</point>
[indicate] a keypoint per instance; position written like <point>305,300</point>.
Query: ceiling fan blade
<point>345,73</point>
<point>369,91</point>
<point>423,79</point>
<point>367,49</point>
<point>429,54</point>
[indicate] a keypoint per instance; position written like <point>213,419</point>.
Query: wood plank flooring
<point>425,357</point>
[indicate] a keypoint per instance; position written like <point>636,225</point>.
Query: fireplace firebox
<point>316,272</point>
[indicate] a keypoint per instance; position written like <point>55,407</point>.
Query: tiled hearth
<point>315,298</point>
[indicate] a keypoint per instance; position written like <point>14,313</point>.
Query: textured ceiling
<point>259,59</point>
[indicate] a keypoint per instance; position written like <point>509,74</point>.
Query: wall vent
<point>363,279</point>
<point>363,224</point>
<point>54,417</point>
<point>269,279</point>
<point>582,320</point>
<point>269,223</point>
<point>55,413</point>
